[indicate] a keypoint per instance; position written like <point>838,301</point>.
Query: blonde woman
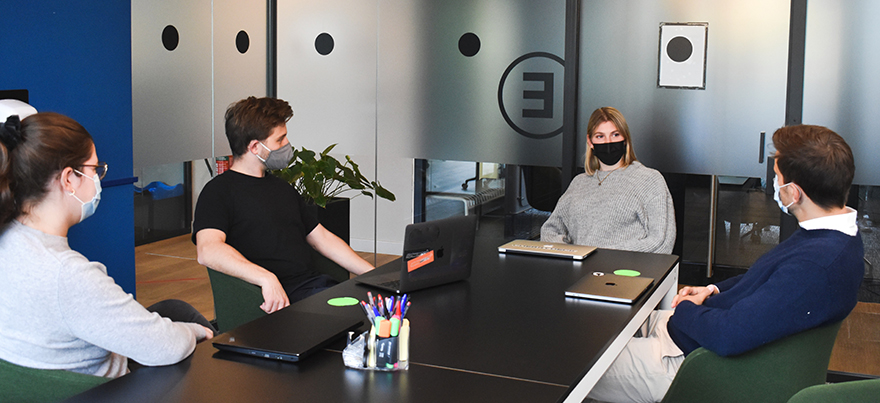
<point>618,203</point>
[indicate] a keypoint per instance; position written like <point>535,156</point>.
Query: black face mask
<point>610,153</point>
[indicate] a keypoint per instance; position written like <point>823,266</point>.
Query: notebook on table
<point>561,250</point>
<point>609,287</point>
<point>285,335</point>
<point>434,253</point>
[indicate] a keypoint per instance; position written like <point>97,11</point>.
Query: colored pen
<point>405,309</point>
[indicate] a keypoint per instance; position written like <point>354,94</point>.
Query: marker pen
<point>371,357</point>
<point>403,353</point>
<point>384,328</point>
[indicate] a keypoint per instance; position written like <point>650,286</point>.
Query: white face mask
<point>776,188</point>
<point>89,207</point>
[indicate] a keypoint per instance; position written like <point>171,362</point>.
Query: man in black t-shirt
<point>255,226</point>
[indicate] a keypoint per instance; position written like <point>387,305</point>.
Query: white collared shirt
<point>845,223</point>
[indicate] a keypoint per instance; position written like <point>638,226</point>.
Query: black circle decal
<point>679,49</point>
<point>324,44</point>
<point>170,37</point>
<point>469,44</point>
<point>242,42</point>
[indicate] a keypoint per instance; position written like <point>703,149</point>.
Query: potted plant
<point>320,179</point>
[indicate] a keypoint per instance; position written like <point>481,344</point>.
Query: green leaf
<point>319,177</point>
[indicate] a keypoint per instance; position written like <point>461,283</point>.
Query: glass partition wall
<point>457,107</point>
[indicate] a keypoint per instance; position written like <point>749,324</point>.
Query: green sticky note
<point>343,301</point>
<point>627,273</point>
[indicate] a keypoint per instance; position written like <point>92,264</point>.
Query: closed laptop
<point>286,335</point>
<point>560,250</point>
<point>609,287</point>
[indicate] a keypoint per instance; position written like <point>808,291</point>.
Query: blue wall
<point>74,58</point>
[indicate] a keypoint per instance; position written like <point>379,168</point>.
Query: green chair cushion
<point>771,373</point>
<point>845,392</point>
<point>31,385</point>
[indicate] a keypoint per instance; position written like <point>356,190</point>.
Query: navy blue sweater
<point>808,280</point>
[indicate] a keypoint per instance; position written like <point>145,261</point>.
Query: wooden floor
<point>168,269</point>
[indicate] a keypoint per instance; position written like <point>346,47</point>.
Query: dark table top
<point>506,332</point>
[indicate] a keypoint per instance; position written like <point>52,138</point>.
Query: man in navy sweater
<point>809,280</point>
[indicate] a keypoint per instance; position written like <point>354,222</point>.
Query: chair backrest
<point>771,373</point>
<point>236,301</point>
<point>543,186</point>
<point>23,384</point>
<point>867,390</point>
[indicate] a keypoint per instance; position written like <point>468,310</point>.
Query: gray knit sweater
<point>60,311</point>
<point>631,210</point>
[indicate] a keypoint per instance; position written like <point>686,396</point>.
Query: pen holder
<point>384,348</point>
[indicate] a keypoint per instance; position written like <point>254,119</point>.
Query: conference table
<point>507,333</point>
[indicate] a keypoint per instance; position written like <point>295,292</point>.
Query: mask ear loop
<point>797,192</point>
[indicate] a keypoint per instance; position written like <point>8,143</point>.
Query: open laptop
<point>434,253</point>
<point>285,335</point>
<point>609,287</point>
<point>562,250</point>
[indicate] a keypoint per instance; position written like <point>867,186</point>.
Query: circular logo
<point>530,95</point>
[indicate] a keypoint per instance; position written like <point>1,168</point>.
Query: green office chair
<point>771,373</point>
<point>845,392</point>
<point>26,385</point>
<point>237,302</point>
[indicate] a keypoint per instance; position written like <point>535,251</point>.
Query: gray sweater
<point>631,210</point>
<point>60,311</point>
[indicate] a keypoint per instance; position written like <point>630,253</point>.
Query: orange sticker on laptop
<point>420,261</point>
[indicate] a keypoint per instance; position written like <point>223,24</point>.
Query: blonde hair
<point>599,116</point>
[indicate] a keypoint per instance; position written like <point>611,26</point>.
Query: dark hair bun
<point>10,132</point>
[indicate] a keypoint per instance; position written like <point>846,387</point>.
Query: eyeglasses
<point>100,169</point>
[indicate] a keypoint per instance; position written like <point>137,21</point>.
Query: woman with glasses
<point>57,309</point>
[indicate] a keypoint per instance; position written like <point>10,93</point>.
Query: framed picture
<point>682,55</point>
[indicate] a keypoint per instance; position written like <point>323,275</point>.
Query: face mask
<point>776,188</point>
<point>610,153</point>
<point>88,208</point>
<point>277,159</point>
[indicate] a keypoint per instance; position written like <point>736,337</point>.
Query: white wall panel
<point>334,95</point>
<point>840,77</point>
<point>171,90</point>
<point>237,75</point>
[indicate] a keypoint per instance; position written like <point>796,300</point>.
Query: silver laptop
<point>561,250</point>
<point>609,287</point>
<point>434,253</point>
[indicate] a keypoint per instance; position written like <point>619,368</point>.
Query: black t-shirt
<point>265,219</point>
